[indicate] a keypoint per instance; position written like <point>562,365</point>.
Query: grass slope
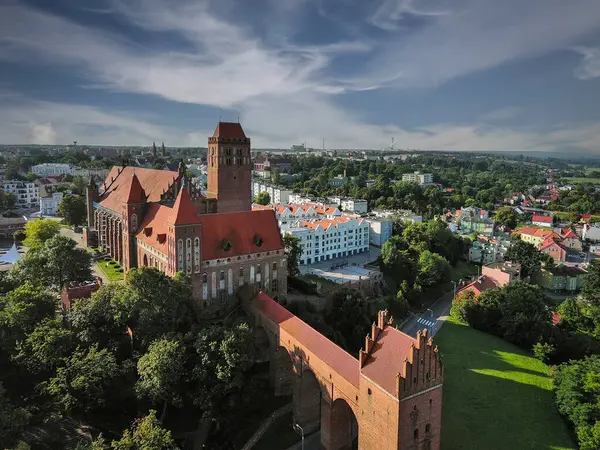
<point>495,395</point>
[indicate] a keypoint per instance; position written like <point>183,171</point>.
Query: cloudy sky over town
<point>446,74</point>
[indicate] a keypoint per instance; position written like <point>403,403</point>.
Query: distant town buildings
<point>486,250</point>
<point>560,278</point>
<point>49,203</point>
<point>338,181</point>
<point>494,275</point>
<point>418,177</point>
<point>541,221</point>
<point>45,169</point>
<point>264,164</point>
<point>27,193</point>
<point>354,205</point>
<point>277,194</point>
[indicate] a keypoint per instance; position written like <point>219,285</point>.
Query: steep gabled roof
<point>184,211</point>
<point>117,184</point>
<point>242,230</point>
<point>135,192</point>
<point>229,130</point>
<point>540,218</point>
<point>155,223</point>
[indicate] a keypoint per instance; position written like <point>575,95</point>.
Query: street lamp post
<point>296,428</point>
<point>454,295</point>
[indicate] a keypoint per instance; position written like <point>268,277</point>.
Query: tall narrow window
<point>188,255</point>
<point>241,276</point>
<point>213,280</point>
<point>197,255</point>
<point>134,222</point>
<point>258,273</point>
<point>230,281</point>
<point>180,255</point>
<point>252,274</point>
<point>204,286</point>
<point>222,281</point>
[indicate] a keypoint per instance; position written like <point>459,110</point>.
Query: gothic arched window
<point>134,222</point>
<point>197,255</point>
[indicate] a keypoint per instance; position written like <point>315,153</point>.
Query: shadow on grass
<point>495,395</point>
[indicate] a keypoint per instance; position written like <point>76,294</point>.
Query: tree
<point>577,386</point>
<point>433,269</point>
<point>73,209</point>
<point>349,316</point>
<point>263,198</point>
<point>275,176</point>
<point>12,420</point>
<point>574,217</point>
<point>20,312</point>
<point>590,289</point>
<point>78,185</point>
<point>57,263</point>
<point>293,251</point>
<point>146,434</point>
<point>20,235</point>
<point>85,380</point>
<point>46,346</point>
<point>462,305</point>
<point>39,231</point>
<point>525,254</point>
<point>161,371</point>
<point>506,216</point>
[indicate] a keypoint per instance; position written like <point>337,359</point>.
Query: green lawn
<point>495,395</point>
<point>110,270</point>
<point>581,180</point>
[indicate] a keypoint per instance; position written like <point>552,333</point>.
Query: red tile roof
<point>543,219</point>
<point>184,211</point>
<point>135,191</point>
<point>341,362</point>
<point>154,182</point>
<point>155,223</point>
<point>241,229</point>
<point>556,318</point>
<point>229,130</point>
<point>568,233</point>
<point>538,232</point>
<point>386,360</point>
<point>480,285</point>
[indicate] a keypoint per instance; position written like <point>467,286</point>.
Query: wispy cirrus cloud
<point>286,92</point>
<point>590,65</point>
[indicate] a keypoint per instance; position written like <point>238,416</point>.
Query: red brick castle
<point>146,217</point>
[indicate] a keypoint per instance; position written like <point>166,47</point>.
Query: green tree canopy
<point>73,209</point>
<point>39,231</point>
<point>525,254</point>
<point>263,198</point>
<point>433,269</point>
<point>293,251</point>
<point>146,434</point>
<point>506,216</point>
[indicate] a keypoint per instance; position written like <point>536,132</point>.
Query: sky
<point>485,75</point>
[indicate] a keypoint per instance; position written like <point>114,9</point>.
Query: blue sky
<point>447,74</point>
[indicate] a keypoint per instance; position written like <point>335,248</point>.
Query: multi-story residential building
<point>338,181</point>
<point>477,225</point>
<point>560,278</point>
<point>418,177</point>
<point>494,275</point>
<point>291,215</point>
<point>554,248</point>
<point>277,194</point>
<point>45,169</point>
<point>268,163</point>
<point>591,232</point>
<point>487,250</point>
<point>156,218</point>
<point>570,239</point>
<point>536,236</point>
<point>101,174</point>
<point>49,203</point>
<point>380,230</point>
<point>10,225</point>
<point>27,193</point>
<point>326,239</point>
<point>355,205</point>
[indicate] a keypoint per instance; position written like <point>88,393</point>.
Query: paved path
<point>78,237</point>
<point>311,442</point>
<point>436,315</point>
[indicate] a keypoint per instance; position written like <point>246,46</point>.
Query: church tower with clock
<point>229,168</point>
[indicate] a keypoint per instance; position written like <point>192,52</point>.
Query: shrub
<point>112,263</point>
<point>306,287</point>
<point>543,352</point>
<point>462,306</point>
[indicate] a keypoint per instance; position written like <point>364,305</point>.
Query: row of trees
<point>94,377</point>
<point>419,256</point>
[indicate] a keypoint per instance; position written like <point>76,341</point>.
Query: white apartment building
<point>27,193</point>
<point>380,230</point>
<point>45,169</point>
<point>276,193</point>
<point>326,239</point>
<point>100,174</point>
<point>49,203</point>
<point>356,205</point>
<point>418,177</point>
<point>289,216</point>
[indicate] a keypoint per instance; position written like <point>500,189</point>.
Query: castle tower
<point>91,196</point>
<point>134,209</point>
<point>154,150</point>
<point>163,150</point>
<point>229,168</point>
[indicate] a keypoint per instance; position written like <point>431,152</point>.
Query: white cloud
<point>42,133</point>
<point>590,65</point>
<point>502,114</point>
<point>282,90</point>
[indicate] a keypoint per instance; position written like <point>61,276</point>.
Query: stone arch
<point>145,260</point>
<point>281,370</point>
<point>339,426</point>
<point>307,401</point>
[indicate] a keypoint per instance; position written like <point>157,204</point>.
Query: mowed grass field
<point>581,180</point>
<point>496,397</point>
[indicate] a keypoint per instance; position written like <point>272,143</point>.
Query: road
<point>78,237</point>
<point>436,313</point>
